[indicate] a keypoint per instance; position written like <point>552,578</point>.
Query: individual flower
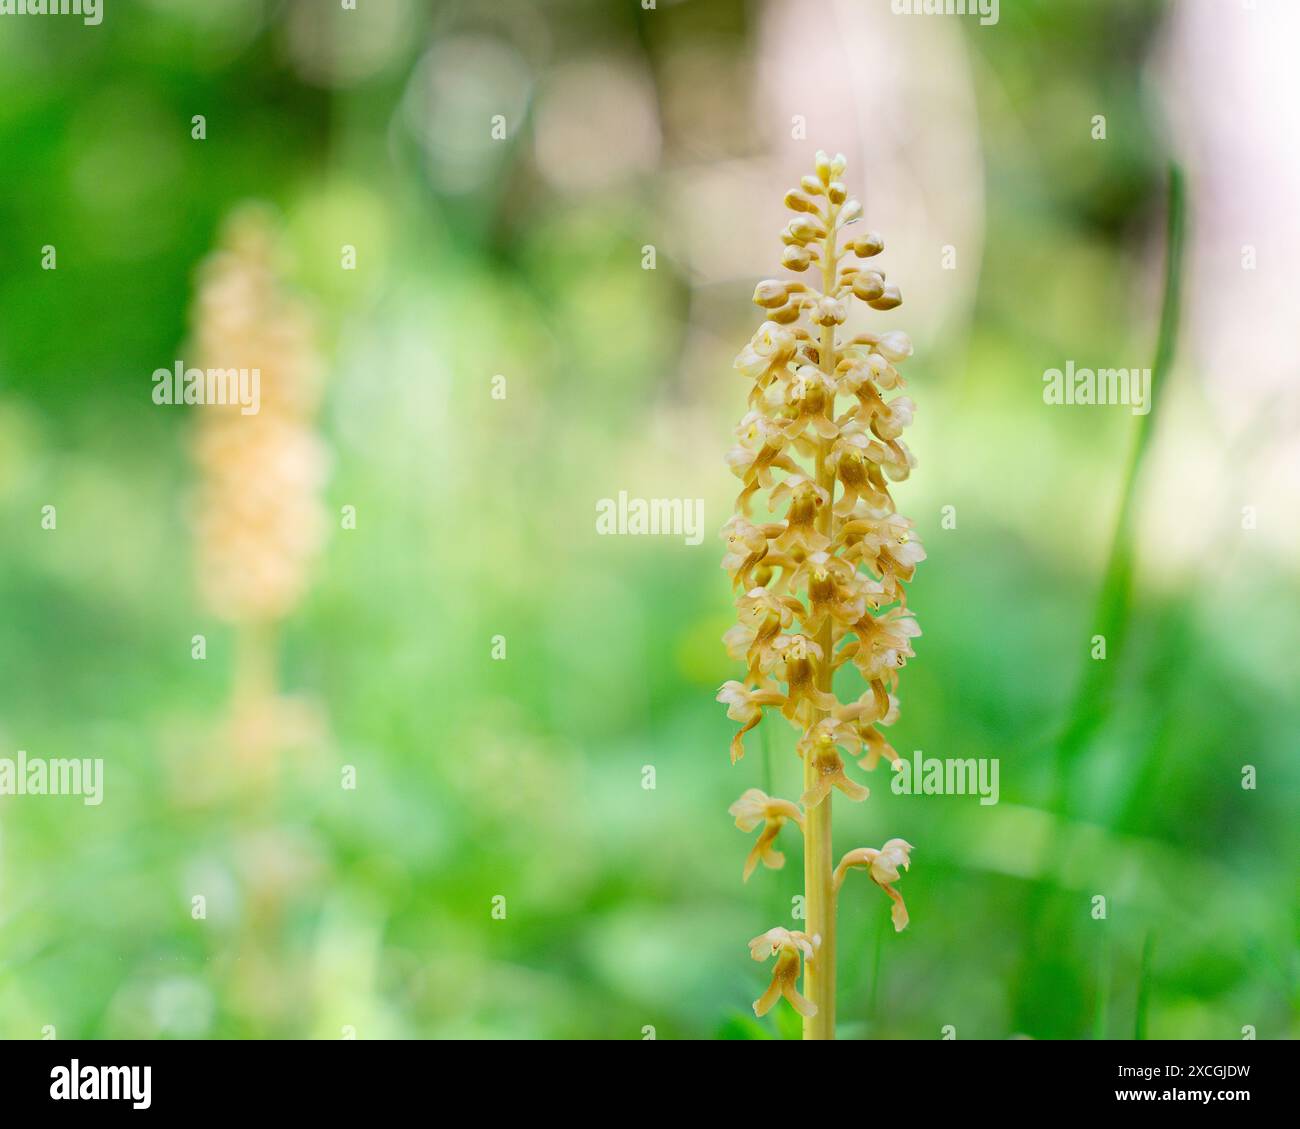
<point>896,416</point>
<point>883,867</point>
<point>876,746</point>
<point>884,644</point>
<point>762,616</point>
<point>746,706</point>
<point>739,641</point>
<point>798,656</point>
<point>791,950</point>
<point>768,349</point>
<point>808,394</point>
<point>851,459</point>
<point>874,708</point>
<point>835,588</point>
<point>828,766</point>
<point>762,449</point>
<point>803,500</point>
<point>861,369</point>
<point>747,545</point>
<point>896,460</point>
<point>829,311</point>
<point>885,542</point>
<point>754,807</point>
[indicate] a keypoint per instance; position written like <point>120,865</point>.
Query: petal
<point>748,810</point>
<point>813,796</point>
<point>898,913</point>
<point>850,788</point>
<point>800,1003</point>
<point>764,1003</point>
<point>883,870</point>
<point>738,741</point>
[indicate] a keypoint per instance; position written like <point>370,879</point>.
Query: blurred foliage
<point>522,778</point>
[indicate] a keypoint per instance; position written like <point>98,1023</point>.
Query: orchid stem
<point>819,865</point>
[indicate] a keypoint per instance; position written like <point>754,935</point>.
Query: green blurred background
<point>371,910</point>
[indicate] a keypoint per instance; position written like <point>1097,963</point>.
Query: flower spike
<point>820,578</point>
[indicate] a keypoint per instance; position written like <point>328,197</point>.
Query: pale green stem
<point>819,866</point>
<point>255,666</point>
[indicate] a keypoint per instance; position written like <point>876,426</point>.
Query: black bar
<point>361,1077</point>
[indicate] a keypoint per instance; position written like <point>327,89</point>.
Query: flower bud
<point>868,245</point>
<point>800,201</point>
<point>812,186</point>
<point>868,286</point>
<point>796,258</point>
<point>895,346</point>
<point>770,293</point>
<point>887,300</point>
<point>837,192</point>
<point>807,228</point>
<point>786,314</point>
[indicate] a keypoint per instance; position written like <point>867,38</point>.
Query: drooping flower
<point>745,705</point>
<point>754,807</point>
<point>883,867</point>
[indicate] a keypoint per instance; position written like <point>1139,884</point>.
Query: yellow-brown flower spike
<point>258,513</point>
<point>821,582</point>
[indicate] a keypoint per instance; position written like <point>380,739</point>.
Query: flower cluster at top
<point>835,552</point>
